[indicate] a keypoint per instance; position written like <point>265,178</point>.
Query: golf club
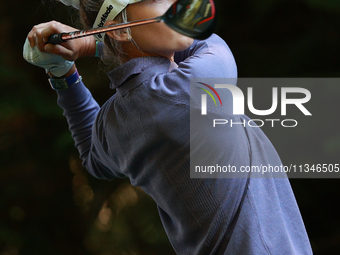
<point>193,18</point>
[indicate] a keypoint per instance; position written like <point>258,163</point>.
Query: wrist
<point>63,83</point>
<point>90,47</point>
<point>71,71</point>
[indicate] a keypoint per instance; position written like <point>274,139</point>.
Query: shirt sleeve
<point>80,110</point>
<point>210,58</point>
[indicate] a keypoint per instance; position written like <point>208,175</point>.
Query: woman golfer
<point>142,132</point>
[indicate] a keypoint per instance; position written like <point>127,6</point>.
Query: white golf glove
<point>50,62</point>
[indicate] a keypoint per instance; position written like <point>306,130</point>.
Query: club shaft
<point>63,37</point>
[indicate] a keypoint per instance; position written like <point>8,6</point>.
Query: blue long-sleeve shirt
<point>142,132</point>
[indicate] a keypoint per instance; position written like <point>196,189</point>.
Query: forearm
<point>80,110</point>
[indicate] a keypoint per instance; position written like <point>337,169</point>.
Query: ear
<point>119,34</point>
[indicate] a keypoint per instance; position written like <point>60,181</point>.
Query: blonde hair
<point>113,52</point>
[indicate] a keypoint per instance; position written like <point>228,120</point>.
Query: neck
<point>133,51</point>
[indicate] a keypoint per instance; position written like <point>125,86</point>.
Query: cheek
<point>145,33</point>
<point>154,32</point>
<point>159,37</point>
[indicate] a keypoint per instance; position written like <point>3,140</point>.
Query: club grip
<point>56,39</point>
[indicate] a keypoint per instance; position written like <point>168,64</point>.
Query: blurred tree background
<point>50,205</point>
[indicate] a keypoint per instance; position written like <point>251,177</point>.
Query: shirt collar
<point>127,74</point>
